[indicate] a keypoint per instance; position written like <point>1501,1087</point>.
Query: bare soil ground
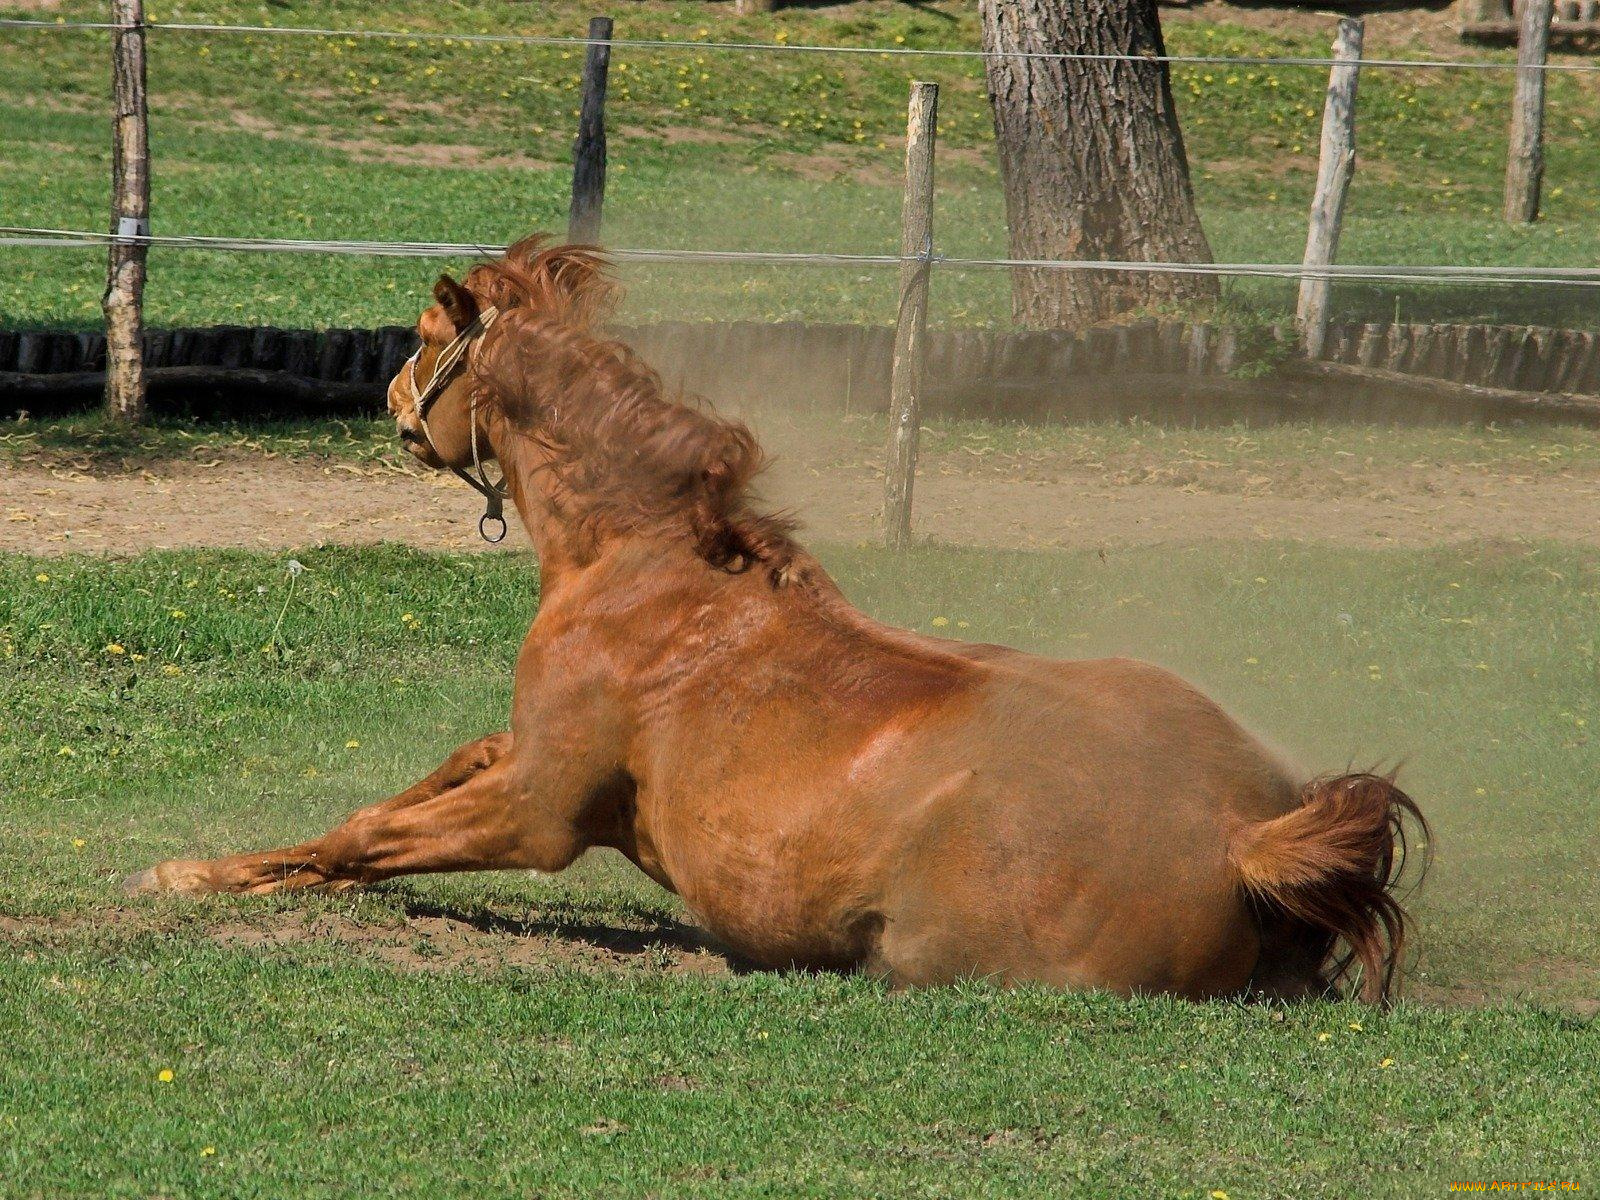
<point>424,938</point>
<point>429,939</point>
<point>1029,501</point>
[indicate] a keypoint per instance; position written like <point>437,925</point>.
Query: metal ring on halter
<point>483,532</point>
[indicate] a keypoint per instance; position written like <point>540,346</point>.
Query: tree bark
<point>1336,165</point>
<point>911,329</point>
<point>1091,157</point>
<point>1525,160</point>
<point>123,300</point>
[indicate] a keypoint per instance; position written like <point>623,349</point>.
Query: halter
<point>422,399</point>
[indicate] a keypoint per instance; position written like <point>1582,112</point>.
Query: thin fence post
<point>1525,162</point>
<point>1335,167</point>
<point>589,150</point>
<point>911,323</point>
<point>746,8</point>
<point>123,302</point>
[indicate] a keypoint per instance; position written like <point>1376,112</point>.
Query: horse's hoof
<point>187,877</point>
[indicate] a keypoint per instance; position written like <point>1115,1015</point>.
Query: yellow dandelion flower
<point>1218,1194</point>
<point>352,744</point>
<point>165,1075</point>
<point>116,648</point>
<point>78,843</point>
<point>1324,1036</point>
<point>941,622</point>
<point>208,1151</point>
<point>41,577</point>
<point>172,669</point>
<point>1386,1064</point>
<point>66,752</point>
<point>178,614</point>
<point>1252,661</point>
<point>137,657</point>
<point>1356,1025</point>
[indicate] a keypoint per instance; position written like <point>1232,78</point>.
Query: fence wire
<point>1582,277</point>
<point>529,39</point>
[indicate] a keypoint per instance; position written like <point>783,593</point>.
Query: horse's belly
<point>777,921</point>
<point>777,897</point>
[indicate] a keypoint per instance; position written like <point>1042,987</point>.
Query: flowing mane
<point>627,457</point>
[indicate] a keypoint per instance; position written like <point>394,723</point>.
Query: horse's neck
<point>529,489</point>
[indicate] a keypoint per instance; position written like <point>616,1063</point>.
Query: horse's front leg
<point>463,763</point>
<point>498,819</point>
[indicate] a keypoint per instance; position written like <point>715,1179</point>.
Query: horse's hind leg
<point>463,765</point>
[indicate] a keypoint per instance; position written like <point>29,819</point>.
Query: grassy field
<point>1136,448</point>
<point>564,1039</point>
<point>350,138</point>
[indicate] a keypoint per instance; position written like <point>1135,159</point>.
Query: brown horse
<point>822,790</point>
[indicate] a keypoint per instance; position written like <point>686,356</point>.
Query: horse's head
<point>429,398</point>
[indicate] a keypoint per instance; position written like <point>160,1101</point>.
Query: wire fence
<point>1579,277</point>
<point>524,39</point>
<point>135,233</point>
<point>27,237</point>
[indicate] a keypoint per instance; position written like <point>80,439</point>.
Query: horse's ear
<point>459,304</point>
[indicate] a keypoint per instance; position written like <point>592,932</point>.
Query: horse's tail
<point>1330,866</point>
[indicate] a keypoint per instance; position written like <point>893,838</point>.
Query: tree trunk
<point>1091,157</point>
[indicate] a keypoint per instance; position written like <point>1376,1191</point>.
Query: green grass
<point>1294,448</point>
<point>98,440</point>
<point>251,705</point>
<point>302,1072</point>
<point>371,139</point>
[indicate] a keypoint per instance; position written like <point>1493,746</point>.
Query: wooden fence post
<point>745,8</point>
<point>123,302</point>
<point>1525,162</point>
<point>589,150</point>
<point>911,323</point>
<point>1336,165</point>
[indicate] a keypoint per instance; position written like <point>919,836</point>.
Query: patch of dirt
<point>674,135</point>
<point>874,168</point>
<point>425,939</point>
<point>835,486</point>
<point>1416,31</point>
<point>457,155</point>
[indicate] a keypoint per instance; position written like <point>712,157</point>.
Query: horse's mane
<point>626,456</point>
